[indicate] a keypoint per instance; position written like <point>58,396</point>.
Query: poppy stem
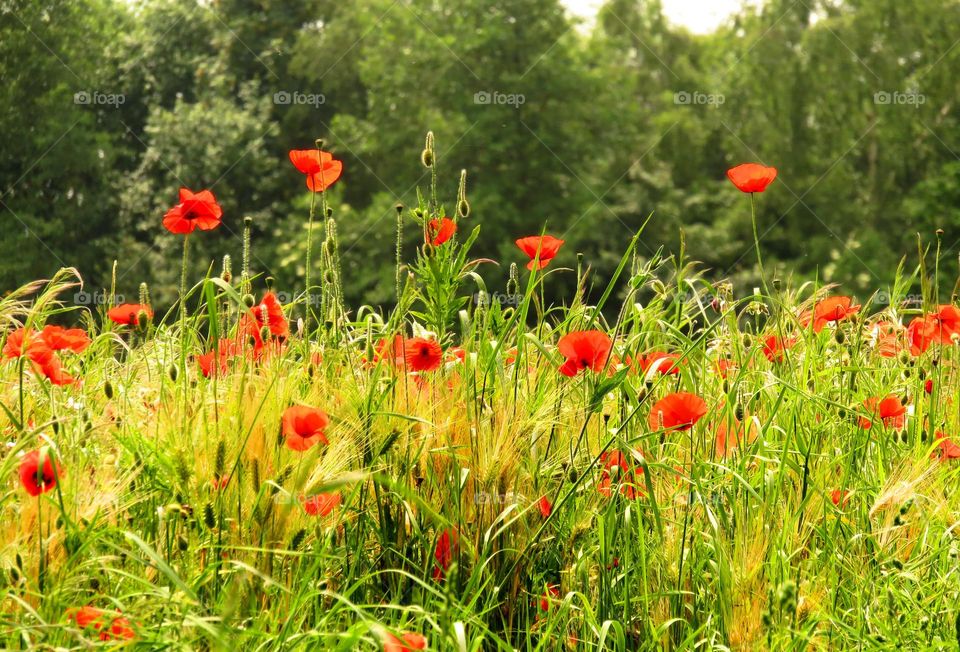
<point>183,294</point>
<point>756,240</point>
<point>306,272</point>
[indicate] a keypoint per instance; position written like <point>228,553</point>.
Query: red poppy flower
<point>26,342</point>
<point>120,629</point>
<point>677,411</point>
<point>448,543</point>
<point>127,314</point>
<point>889,410</point>
<point>887,338</point>
<point>751,177</point>
<point>725,367</point>
<point>921,333</point>
<point>110,627</point>
<point>439,231</point>
<point>39,472</point>
<point>59,338</point>
<point>407,642</point>
<point>391,351</point>
<point>195,211</point>
<point>269,312</point>
<point>321,168</point>
<point>226,350</point>
<point>546,246</point>
<point>303,427</point>
<point>545,506</point>
<point>829,311</point>
<point>53,370</point>
<point>840,497</point>
<point>774,347</point>
<point>456,353</point>
<point>618,470</point>
<point>584,350</point>
<point>421,354</point>
<point>86,617</point>
<point>321,504</point>
<point>551,593</point>
<point>945,324</point>
<point>656,362</point>
<point>729,438</point>
<point>947,449</point>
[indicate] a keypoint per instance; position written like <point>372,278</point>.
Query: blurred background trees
<point>110,106</point>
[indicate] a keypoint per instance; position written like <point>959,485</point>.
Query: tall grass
<point>180,507</point>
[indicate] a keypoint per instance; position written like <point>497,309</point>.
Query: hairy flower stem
<point>306,273</point>
<point>183,287</point>
<point>756,241</point>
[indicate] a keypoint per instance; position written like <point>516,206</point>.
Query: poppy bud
<point>247,221</point>
<point>328,246</point>
<point>182,543</point>
<point>311,370</point>
<point>248,300</point>
<point>398,207</point>
<point>329,212</point>
<point>264,333</point>
<point>463,208</point>
<point>142,318</point>
<point>716,304</point>
<point>418,213</point>
<point>144,295</point>
<point>776,284</point>
<point>319,143</point>
<point>839,336</point>
<point>269,282</point>
<point>428,249</point>
<point>108,390</point>
<point>173,371</point>
<point>227,273</point>
<point>747,340</point>
<point>426,157</point>
<point>300,325</point>
<point>939,232</point>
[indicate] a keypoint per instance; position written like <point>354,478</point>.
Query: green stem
<point>756,240</point>
<point>306,274</point>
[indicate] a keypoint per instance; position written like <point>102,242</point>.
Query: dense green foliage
<point>601,140</point>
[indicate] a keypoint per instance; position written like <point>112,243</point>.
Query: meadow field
<point>664,461</point>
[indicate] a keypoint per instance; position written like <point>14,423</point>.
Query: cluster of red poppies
<point>41,348</point>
